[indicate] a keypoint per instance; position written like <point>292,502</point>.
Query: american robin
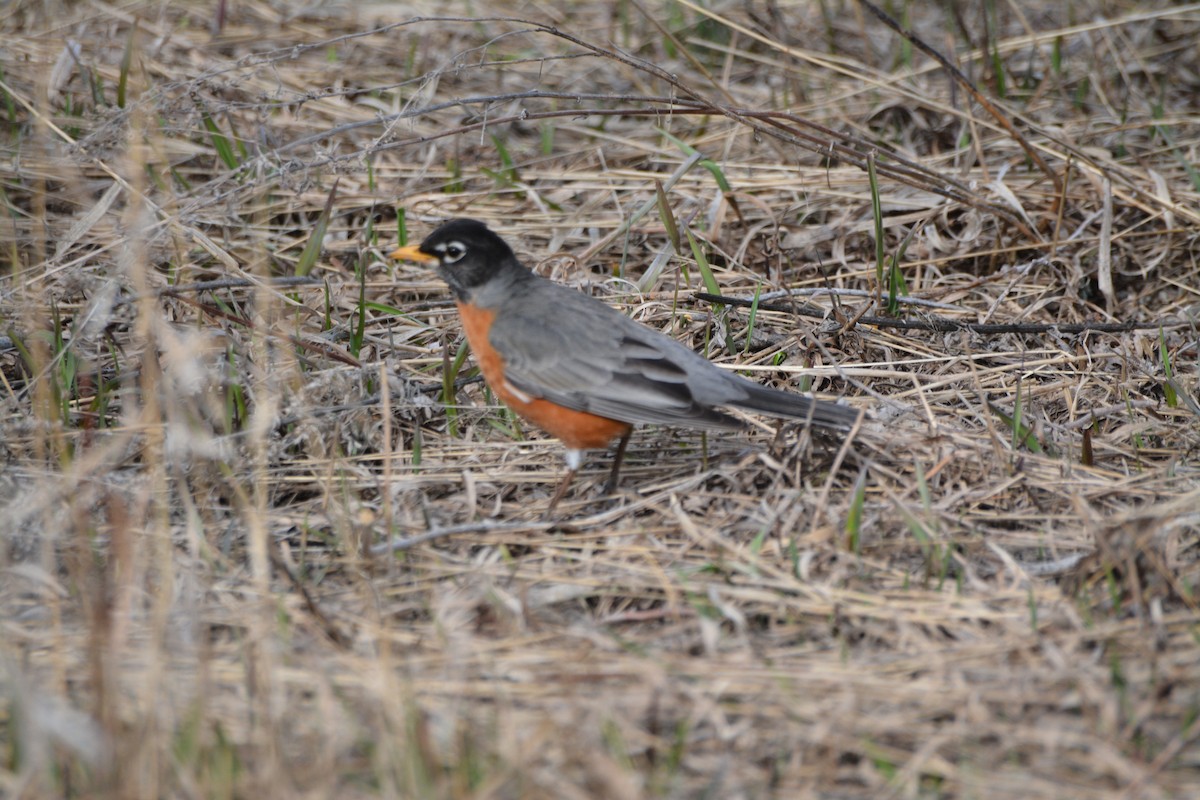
<point>578,368</point>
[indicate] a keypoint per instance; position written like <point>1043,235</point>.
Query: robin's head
<point>465,252</point>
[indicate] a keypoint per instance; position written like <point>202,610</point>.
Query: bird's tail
<point>774,403</point>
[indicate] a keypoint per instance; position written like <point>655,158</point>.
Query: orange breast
<point>578,430</point>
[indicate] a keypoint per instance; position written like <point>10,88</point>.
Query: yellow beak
<point>412,253</point>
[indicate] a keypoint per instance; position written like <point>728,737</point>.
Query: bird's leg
<point>574,459</point>
<point>562,491</point>
<point>610,486</point>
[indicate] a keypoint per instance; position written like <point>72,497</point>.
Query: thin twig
<point>944,325</point>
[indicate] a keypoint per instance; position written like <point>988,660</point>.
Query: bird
<point>578,368</point>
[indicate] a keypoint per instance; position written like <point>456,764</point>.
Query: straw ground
<point>263,532</point>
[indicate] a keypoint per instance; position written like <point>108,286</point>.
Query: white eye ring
<point>452,252</point>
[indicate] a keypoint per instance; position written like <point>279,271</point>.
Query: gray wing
<point>593,358</point>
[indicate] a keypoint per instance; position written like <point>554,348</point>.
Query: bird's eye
<point>453,252</point>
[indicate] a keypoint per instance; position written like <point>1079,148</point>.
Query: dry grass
<point>202,466</point>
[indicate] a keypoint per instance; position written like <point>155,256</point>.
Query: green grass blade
<point>753,317</point>
<point>854,517</point>
<point>706,274</point>
<point>897,286</point>
<point>877,213</point>
<point>1022,435</point>
<point>126,63</point>
<point>316,240</point>
<point>219,140</point>
<point>450,370</point>
<point>668,217</point>
<point>707,163</point>
<point>1168,385</point>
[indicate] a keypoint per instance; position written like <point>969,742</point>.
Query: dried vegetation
<point>263,533</point>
